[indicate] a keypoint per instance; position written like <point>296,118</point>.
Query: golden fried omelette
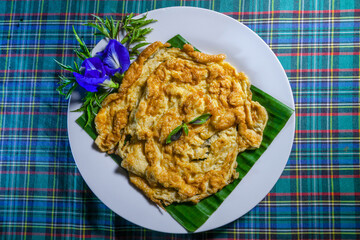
<point>162,89</point>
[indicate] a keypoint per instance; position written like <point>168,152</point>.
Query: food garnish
<point>176,133</point>
<point>102,74</point>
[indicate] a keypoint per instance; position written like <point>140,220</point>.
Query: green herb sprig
<point>201,119</point>
<point>132,29</point>
<point>84,52</point>
<point>64,83</point>
<point>92,104</point>
<point>107,27</point>
<point>177,132</point>
<point>68,84</point>
<point>134,32</point>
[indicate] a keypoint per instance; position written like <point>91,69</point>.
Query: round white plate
<point>211,32</point>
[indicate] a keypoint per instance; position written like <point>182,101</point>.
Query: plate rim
<point>290,123</point>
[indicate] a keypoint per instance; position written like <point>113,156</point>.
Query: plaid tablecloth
<point>42,194</point>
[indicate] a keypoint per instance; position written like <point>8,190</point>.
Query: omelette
<point>163,89</point>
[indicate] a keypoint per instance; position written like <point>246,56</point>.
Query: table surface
<point>42,194</point>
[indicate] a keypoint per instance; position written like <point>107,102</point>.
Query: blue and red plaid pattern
<point>42,194</point>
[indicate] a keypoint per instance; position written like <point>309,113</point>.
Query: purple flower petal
<point>90,84</point>
<point>115,57</point>
<point>93,64</point>
<point>93,75</point>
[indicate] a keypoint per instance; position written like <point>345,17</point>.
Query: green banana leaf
<point>191,216</point>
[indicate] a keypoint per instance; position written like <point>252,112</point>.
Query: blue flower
<point>115,57</point>
<point>94,74</point>
<point>97,71</point>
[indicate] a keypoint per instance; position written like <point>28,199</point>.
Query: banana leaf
<point>191,216</point>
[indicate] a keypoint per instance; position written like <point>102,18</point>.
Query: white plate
<point>211,32</point>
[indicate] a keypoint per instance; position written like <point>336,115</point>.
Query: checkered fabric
<point>42,194</point>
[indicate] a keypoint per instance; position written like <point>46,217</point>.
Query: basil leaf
<point>201,119</point>
<point>175,134</point>
<point>186,129</point>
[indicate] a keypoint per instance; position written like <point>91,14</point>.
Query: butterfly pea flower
<point>115,57</point>
<point>97,71</point>
<point>92,75</point>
